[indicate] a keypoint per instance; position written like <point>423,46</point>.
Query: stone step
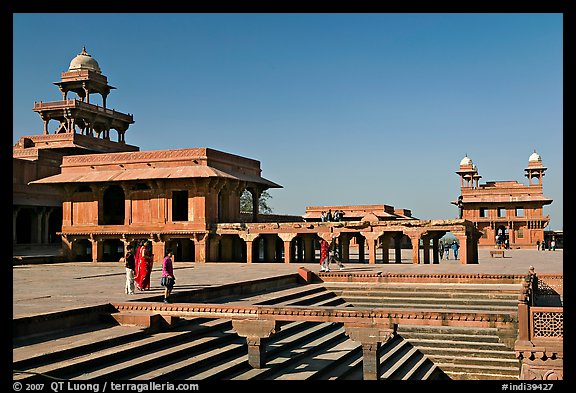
<point>91,360</point>
<point>431,335</point>
<point>429,294</point>
<point>475,360</point>
<point>280,296</point>
<point>451,343</point>
<point>433,301</point>
<point>466,352</point>
<point>451,330</point>
<point>426,287</point>
<point>479,372</point>
<point>290,336</point>
<point>439,307</point>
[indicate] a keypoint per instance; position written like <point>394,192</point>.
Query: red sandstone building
<point>505,211</point>
<point>108,194</point>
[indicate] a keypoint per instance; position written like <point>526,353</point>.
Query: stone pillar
<point>435,251</point>
<point>256,332</point>
<point>371,337</point>
<point>426,248</point>
<point>200,247</point>
<point>464,249</point>
<point>158,250</point>
<point>97,249</point>
<point>287,239</point>
<point>213,248</point>
<point>386,247</point>
<point>415,239</point>
<point>345,244</point>
<point>372,242</point>
<point>398,247</point>
<point>361,249</point>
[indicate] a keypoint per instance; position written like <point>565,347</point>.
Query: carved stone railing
<point>540,330</point>
<point>372,327</point>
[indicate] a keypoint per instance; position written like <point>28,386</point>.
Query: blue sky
<point>343,108</point>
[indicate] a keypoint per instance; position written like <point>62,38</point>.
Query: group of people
<point>549,245</point>
<point>445,247</point>
<point>329,252</point>
<point>328,216</point>
<point>138,263</point>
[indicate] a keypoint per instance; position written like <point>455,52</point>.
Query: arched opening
<point>501,238</point>
<point>112,250</point>
<point>54,225</point>
<point>450,246</point>
<point>82,250</point>
<point>24,225</point>
<point>113,206</point>
<point>183,249</point>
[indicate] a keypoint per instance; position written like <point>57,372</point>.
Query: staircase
<point>208,349</point>
<point>461,353</point>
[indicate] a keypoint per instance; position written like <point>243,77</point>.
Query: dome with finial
<point>84,62</point>
<point>466,161</point>
<point>535,157</point>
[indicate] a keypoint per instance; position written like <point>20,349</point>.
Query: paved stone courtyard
<point>40,289</point>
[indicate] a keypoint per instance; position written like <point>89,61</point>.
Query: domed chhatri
<point>84,62</point>
<point>535,157</point>
<point>466,161</point>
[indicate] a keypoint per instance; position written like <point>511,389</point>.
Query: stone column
<point>386,247</point>
<point>415,239</point>
<point>398,247</point>
<point>426,247</point>
<point>158,249</point>
<point>371,337</point>
<point>97,249</point>
<point>372,242</point>
<point>345,244</point>
<point>256,332</point>
<point>435,251</point>
<point>213,245</point>
<point>464,248</point>
<point>200,247</point>
<point>287,239</point>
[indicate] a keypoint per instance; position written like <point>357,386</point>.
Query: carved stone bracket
<point>256,332</point>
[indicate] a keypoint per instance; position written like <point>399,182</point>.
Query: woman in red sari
<point>146,265</point>
<point>141,267</point>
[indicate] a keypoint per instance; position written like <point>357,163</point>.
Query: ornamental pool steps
<point>203,348</point>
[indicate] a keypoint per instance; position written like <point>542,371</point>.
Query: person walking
<point>441,249</point>
<point>324,262</point>
<point>447,250</point>
<point>130,264</point>
<point>168,279</point>
<point>455,247</point>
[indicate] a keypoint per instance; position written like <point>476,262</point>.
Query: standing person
<point>168,279</point>
<point>553,245</point>
<point>148,259</point>
<point>543,245</point>
<point>455,247</point>
<point>130,264</point>
<point>447,250</point>
<point>140,271</point>
<point>324,262</point>
<point>329,216</point>
<point>538,245</point>
<point>440,249</point>
<point>323,217</point>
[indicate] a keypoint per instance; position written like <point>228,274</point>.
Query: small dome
<point>466,161</point>
<point>84,62</point>
<point>535,157</point>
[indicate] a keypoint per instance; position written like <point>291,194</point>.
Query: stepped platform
<point>208,348</point>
